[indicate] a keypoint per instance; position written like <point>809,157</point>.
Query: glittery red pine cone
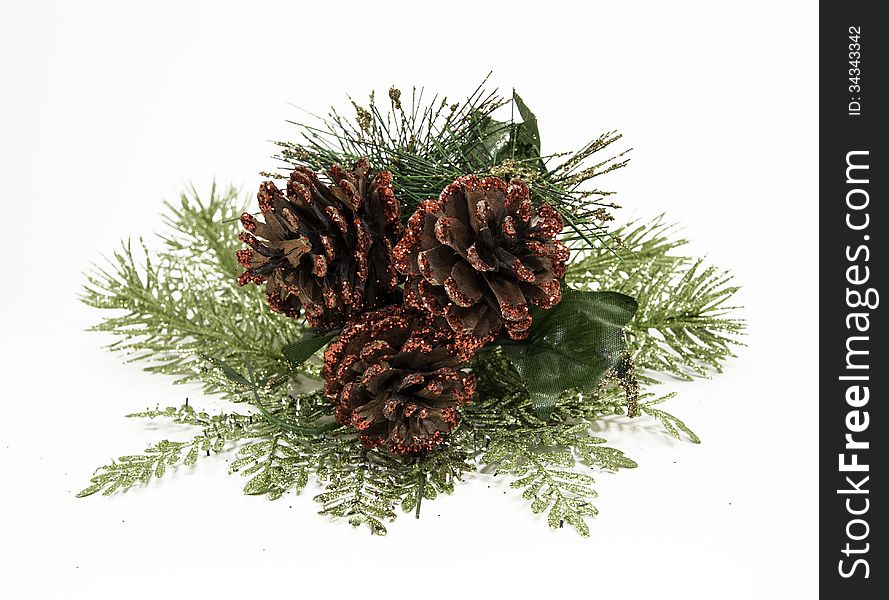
<point>325,249</point>
<point>394,376</point>
<point>480,255</point>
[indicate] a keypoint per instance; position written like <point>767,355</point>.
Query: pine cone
<point>395,377</point>
<point>480,254</point>
<point>325,249</point>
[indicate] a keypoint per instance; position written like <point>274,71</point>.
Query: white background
<point>107,108</point>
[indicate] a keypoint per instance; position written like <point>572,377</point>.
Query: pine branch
<point>427,145</point>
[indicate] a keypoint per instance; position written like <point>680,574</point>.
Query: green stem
<point>420,485</point>
<point>278,422</point>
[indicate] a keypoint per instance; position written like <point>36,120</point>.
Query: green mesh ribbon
<point>573,345</point>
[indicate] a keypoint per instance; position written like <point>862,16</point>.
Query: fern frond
<point>671,423</point>
<point>140,469</point>
<point>364,493</point>
<point>275,465</point>
<point>543,462</point>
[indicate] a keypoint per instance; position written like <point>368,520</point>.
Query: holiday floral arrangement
<point>422,294</point>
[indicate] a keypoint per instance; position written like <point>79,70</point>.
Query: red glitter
<point>434,387</point>
<point>329,298</point>
<point>370,442</point>
<point>508,226</point>
<point>375,349</point>
<point>513,312</point>
<point>443,230</point>
<point>429,302</point>
<point>550,220</point>
<point>267,192</point>
<point>516,192</point>
<point>454,293</point>
<point>337,217</point>
<point>522,272</point>
<point>477,263</point>
<point>468,382</point>
<point>518,330</point>
<point>490,184</point>
<point>418,345</point>
<point>391,209</point>
<point>248,239</point>
<point>244,257</point>
<point>390,408</point>
<point>319,269</point>
<point>451,417</point>
<point>248,222</point>
<point>246,277</point>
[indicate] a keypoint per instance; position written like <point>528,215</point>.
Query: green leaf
<point>526,136</point>
<point>572,345</point>
<point>493,138</point>
<point>301,350</point>
<point>499,140</point>
<point>229,372</point>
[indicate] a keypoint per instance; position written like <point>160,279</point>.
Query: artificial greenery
<point>429,142</point>
<point>194,332</point>
<point>572,345</point>
<point>640,310</point>
<point>177,306</point>
<point>683,326</point>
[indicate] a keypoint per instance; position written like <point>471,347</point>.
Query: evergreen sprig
<point>140,469</point>
<point>174,308</point>
<point>683,326</point>
<point>543,462</point>
<point>180,311</point>
<point>429,142</point>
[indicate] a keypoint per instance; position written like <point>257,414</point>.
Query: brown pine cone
<point>480,254</point>
<point>395,377</point>
<point>325,249</point>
